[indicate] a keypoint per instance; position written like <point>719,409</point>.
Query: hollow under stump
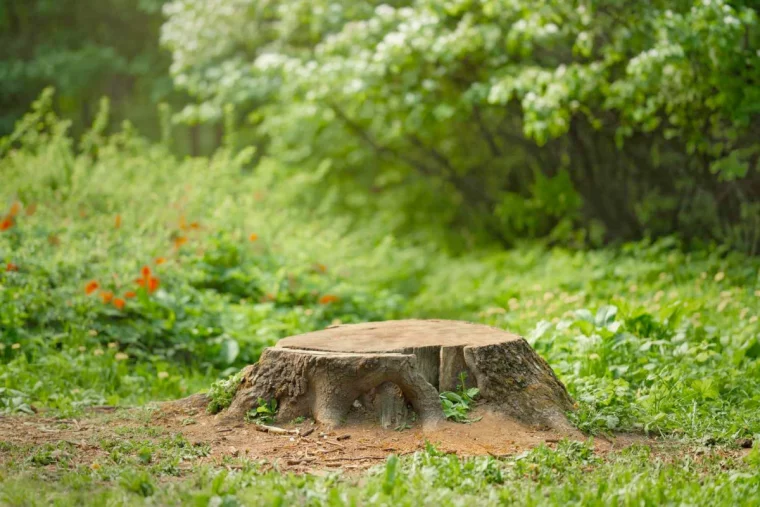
<point>394,371</point>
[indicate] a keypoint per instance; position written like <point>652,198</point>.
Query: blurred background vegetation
<point>466,121</point>
<point>183,183</point>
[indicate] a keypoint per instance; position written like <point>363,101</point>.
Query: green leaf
<point>605,315</point>
<point>230,351</point>
<point>585,326</point>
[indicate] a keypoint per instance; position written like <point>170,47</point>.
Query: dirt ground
<point>355,446</point>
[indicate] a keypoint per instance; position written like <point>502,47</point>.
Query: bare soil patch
<point>315,449</point>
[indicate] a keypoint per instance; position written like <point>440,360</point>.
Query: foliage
<point>222,392</point>
<point>508,117</point>
<point>264,412</point>
<point>87,228</point>
<point>457,405</point>
<point>649,336</point>
<point>86,50</point>
<point>570,474</point>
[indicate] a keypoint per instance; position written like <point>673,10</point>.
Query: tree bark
<point>385,366</point>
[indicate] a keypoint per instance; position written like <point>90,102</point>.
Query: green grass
<point>646,336</point>
<point>571,474</point>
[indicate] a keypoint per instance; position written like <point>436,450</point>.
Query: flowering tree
<point>526,116</point>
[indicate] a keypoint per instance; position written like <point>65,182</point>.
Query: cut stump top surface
<point>397,335</point>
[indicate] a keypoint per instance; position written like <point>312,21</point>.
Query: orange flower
<point>153,284</point>
<point>106,296</point>
<point>6,224</point>
<point>179,241</point>
<point>11,267</point>
<point>15,208</point>
<point>130,294</point>
<point>140,282</point>
<point>119,303</point>
<point>117,222</point>
<point>195,226</point>
<point>91,287</point>
<point>253,237</point>
<point>145,272</point>
<point>160,260</point>
<point>328,298</point>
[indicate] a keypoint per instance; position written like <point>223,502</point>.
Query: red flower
<point>11,267</point>
<point>91,287</point>
<point>130,294</point>
<point>153,284</point>
<point>328,298</point>
<point>145,272</point>
<point>106,296</point>
<point>6,224</point>
<point>119,303</point>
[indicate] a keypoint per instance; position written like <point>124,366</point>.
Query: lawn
<point>130,276</point>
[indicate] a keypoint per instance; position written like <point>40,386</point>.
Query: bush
<point>498,117</point>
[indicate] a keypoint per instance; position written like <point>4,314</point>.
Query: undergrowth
<point>222,392</point>
<point>457,404</point>
<point>129,276</point>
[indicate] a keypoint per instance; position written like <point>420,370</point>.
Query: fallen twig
<point>327,451</point>
<point>357,458</point>
<point>104,408</point>
<point>301,461</point>
<point>273,429</point>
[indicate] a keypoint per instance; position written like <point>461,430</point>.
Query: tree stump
<point>384,368</point>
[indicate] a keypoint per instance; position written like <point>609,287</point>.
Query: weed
<point>222,392</point>
<point>649,336</point>
<point>457,405</point>
<point>264,413</point>
<point>138,482</point>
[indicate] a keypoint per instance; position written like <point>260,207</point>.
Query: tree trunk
<point>382,367</point>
